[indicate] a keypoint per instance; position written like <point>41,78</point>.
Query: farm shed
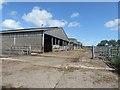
<point>79,45</point>
<point>74,44</point>
<point>34,39</point>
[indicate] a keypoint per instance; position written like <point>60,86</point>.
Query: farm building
<point>34,39</point>
<point>74,44</point>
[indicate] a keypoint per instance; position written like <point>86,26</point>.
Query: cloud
<point>13,14</point>
<point>53,23</point>
<point>40,17</point>
<point>76,14</point>
<point>113,24</point>
<point>11,24</point>
<point>73,24</point>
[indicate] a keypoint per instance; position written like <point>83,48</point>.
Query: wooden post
<point>58,42</point>
<point>55,41</point>
<point>118,53</point>
<point>43,36</point>
<point>109,52</point>
<point>63,43</point>
<point>29,49</point>
<point>93,52</point>
<point>52,43</point>
<point>14,41</point>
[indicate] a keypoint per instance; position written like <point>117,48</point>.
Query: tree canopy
<point>103,43</point>
<point>109,43</point>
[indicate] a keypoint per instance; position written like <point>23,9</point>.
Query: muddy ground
<point>65,69</point>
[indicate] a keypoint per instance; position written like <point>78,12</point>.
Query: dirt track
<point>66,69</point>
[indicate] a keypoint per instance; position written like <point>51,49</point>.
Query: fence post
<point>118,53</point>
<point>29,49</point>
<point>109,52</point>
<point>93,52</point>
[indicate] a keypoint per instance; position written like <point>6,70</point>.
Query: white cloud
<point>40,17</point>
<point>58,23</point>
<point>73,24</point>
<point>13,13</point>
<point>113,24</point>
<point>76,14</point>
<point>11,24</point>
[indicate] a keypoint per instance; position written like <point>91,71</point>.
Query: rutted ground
<point>66,69</point>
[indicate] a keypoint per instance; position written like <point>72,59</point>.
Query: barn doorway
<point>47,43</point>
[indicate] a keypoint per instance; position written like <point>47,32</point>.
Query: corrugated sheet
<point>58,33</point>
<point>73,40</point>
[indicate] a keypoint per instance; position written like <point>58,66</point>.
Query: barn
<point>34,39</point>
<point>74,44</point>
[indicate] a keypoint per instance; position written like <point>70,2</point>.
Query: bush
<point>116,62</point>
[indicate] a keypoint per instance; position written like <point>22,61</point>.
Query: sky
<point>88,22</point>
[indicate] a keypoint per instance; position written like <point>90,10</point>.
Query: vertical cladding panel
<point>35,41</point>
<point>23,39</point>
<point>32,38</point>
<point>7,42</point>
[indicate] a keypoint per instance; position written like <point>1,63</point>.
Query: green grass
<point>116,62</point>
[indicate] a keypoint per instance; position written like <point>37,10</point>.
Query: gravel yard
<point>65,69</point>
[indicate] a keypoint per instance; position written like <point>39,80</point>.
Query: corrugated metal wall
<point>7,42</point>
<point>25,39</point>
<point>31,38</point>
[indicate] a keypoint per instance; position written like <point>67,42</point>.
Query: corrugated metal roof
<point>73,40</point>
<point>57,32</point>
<point>28,29</point>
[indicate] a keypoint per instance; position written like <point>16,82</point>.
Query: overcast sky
<point>89,22</point>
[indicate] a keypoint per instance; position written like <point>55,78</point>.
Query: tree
<point>103,43</point>
<point>118,42</point>
<point>112,42</point>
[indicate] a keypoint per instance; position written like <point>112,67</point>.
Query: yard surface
<point>65,69</point>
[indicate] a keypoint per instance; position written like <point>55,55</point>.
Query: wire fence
<point>109,55</point>
<point>106,52</point>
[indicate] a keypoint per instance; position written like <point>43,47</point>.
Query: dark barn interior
<point>47,43</point>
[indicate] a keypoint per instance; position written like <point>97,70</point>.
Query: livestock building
<point>34,39</point>
<point>74,44</point>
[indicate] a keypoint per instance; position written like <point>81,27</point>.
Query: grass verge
<point>116,62</point>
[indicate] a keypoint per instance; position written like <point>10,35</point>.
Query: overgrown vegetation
<point>116,62</point>
<point>109,42</point>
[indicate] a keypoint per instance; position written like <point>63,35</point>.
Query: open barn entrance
<point>47,43</point>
